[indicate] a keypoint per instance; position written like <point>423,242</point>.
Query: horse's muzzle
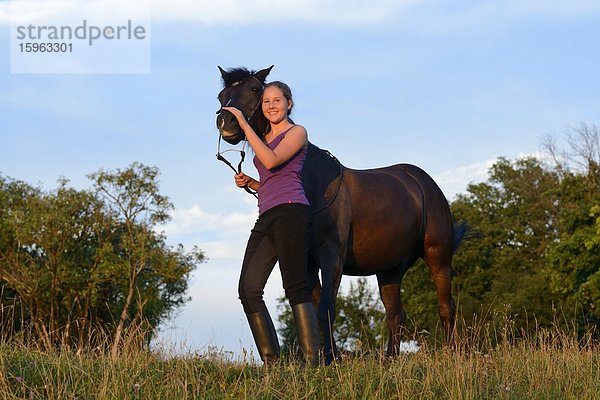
<point>231,137</point>
<point>229,129</point>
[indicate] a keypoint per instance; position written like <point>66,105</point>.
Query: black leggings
<point>280,234</point>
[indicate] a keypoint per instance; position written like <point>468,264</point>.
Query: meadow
<point>546,364</point>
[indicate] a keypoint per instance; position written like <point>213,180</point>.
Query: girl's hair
<point>285,89</point>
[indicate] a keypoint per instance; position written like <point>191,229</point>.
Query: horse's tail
<point>462,231</point>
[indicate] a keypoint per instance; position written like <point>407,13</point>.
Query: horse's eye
<point>255,89</point>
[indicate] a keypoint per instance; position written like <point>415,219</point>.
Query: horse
<point>364,222</point>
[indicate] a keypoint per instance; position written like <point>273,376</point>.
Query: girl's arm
<point>295,139</point>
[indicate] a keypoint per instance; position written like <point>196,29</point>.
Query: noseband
<point>220,156</point>
<point>239,166</point>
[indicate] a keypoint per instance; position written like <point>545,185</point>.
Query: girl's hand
<point>242,180</point>
<point>238,115</point>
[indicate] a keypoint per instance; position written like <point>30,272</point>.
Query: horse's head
<point>243,90</point>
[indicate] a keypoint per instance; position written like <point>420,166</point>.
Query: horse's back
<point>397,178</point>
<point>382,190</point>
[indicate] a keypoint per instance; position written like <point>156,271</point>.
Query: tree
<point>45,236</point>
<point>133,198</point>
<point>515,214</point>
<point>582,154</point>
<point>73,261</point>
<point>573,261</point>
<point>537,253</point>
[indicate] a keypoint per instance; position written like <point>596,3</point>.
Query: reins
<point>239,166</point>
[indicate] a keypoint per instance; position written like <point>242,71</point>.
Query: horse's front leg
<point>331,276</point>
<point>314,284</point>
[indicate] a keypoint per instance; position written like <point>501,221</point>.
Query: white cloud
<point>433,14</point>
<point>261,11</point>
<point>221,236</point>
<point>456,180</point>
<point>230,251</point>
<point>196,220</point>
<point>26,11</point>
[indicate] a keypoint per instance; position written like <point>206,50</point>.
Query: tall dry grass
<point>489,362</point>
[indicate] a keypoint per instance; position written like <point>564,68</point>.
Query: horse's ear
<point>223,72</point>
<point>262,74</point>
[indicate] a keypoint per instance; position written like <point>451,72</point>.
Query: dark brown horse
<point>365,222</point>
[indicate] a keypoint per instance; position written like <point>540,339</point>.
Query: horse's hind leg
<point>439,259</point>
<point>389,290</point>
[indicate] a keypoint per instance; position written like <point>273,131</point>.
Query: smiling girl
<point>280,233</point>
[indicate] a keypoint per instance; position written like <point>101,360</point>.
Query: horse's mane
<point>235,75</point>
<point>324,157</point>
<point>321,170</point>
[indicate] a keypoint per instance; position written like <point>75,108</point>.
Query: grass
<point>547,364</point>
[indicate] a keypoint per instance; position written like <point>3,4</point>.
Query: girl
<point>281,230</point>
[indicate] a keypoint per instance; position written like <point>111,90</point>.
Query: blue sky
<point>447,85</point>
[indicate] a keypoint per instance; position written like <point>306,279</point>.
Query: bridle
<point>242,152</point>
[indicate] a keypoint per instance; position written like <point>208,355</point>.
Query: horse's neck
<point>260,123</point>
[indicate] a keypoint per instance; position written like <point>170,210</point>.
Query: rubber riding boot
<point>307,329</point>
<point>265,336</point>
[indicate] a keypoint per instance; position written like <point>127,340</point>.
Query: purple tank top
<point>283,183</point>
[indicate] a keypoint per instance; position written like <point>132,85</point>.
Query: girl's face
<point>274,105</point>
